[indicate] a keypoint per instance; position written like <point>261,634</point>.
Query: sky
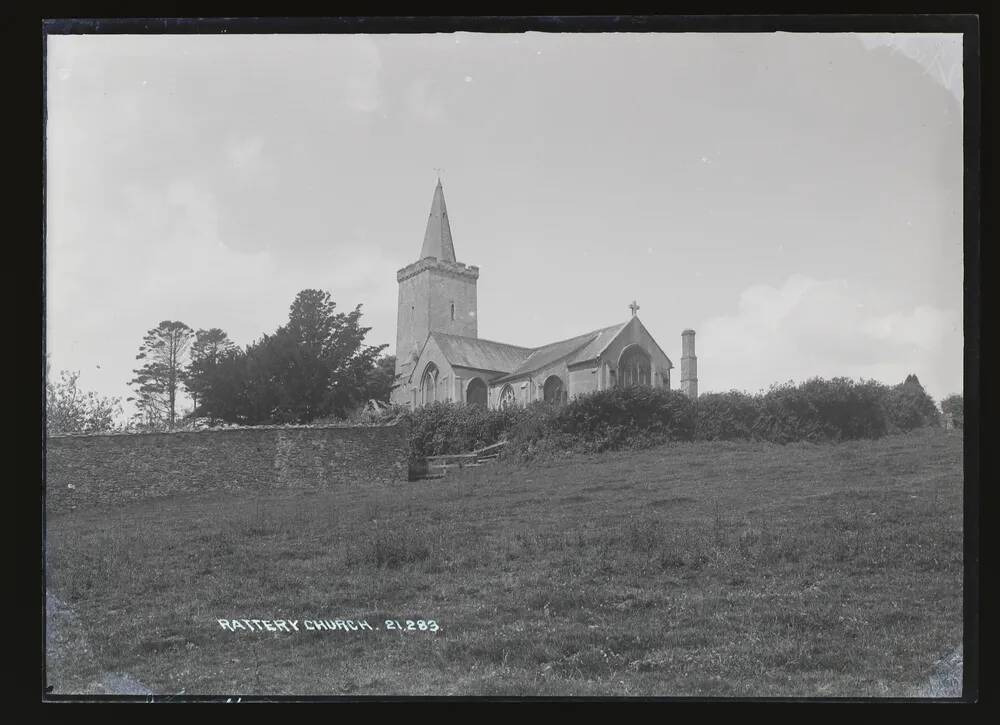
<point>794,198</point>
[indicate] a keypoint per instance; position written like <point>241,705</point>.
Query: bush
<point>444,428</point>
<point>626,418</point>
<point>70,410</point>
<point>822,410</point>
<point>638,417</point>
<point>726,416</point>
<point>910,407</point>
<point>954,406</point>
<point>535,431</point>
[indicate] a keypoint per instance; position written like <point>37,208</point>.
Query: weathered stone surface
<point>110,469</point>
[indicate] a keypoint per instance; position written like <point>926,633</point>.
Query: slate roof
<point>600,341</point>
<point>516,361</point>
<point>471,352</point>
<point>437,238</point>
<point>579,348</point>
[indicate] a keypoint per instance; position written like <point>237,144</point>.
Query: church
<point>440,356</point>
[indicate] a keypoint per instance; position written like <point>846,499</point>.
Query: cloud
<point>923,328</point>
<point>808,327</point>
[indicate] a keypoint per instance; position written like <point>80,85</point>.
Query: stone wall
<point>111,469</point>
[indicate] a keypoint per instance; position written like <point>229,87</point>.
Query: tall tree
<point>207,349</point>
<point>322,359</point>
<point>314,366</point>
<point>157,383</point>
<point>68,409</point>
<point>378,381</point>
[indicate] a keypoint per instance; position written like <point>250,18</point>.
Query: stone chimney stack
<point>689,365</point>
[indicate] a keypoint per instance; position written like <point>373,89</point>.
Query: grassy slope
<point>692,569</point>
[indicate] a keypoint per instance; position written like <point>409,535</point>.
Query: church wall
<point>582,381</point>
<point>532,387</point>
<point>494,393</point>
<point>539,377</point>
<point>466,376</point>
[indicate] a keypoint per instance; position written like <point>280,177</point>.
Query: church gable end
<point>644,361</point>
<point>431,379</point>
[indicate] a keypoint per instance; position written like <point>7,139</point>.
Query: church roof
<point>600,341</point>
<point>471,352</point>
<point>437,238</point>
<point>579,348</point>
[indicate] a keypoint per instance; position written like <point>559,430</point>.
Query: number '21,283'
<point>412,625</point>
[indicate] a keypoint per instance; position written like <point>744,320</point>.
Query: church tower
<point>436,293</point>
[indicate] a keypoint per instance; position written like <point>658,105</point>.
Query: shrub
<point>848,410</point>
<point>638,417</point>
<point>909,406</point>
<point>786,415</point>
<point>444,428</point>
<point>535,431</point>
<point>726,416</point>
<point>625,418</point>
<point>822,410</point>
<point>954,406</point>
<point>70,410</point>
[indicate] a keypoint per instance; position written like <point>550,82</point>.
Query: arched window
<point>552,391</point>
<point>429,384</point>
<point>634,367</point>
<point>475,394</point>
<point>507,399</point>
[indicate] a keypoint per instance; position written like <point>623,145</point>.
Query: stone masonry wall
<point>111,469</point>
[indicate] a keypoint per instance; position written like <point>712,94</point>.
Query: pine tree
<point>208,348</point>
<point>157,383</point>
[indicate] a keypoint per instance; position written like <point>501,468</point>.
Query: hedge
<point>639,417</point>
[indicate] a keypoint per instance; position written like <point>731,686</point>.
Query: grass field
<point>708,569</point>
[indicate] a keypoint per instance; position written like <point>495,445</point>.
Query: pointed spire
<point>437,238</point>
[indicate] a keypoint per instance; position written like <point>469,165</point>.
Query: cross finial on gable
<point>634,307</point>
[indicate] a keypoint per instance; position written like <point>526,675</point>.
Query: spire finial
<point>439,171</point>
<point>437,238</point>
<point>634,307</point>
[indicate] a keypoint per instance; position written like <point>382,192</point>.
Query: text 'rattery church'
<point>440,356</point>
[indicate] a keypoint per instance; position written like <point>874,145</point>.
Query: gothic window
<point>507,397</point>
<point>634,367</point>
<point>552,391</point>
<point>429,384</point>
